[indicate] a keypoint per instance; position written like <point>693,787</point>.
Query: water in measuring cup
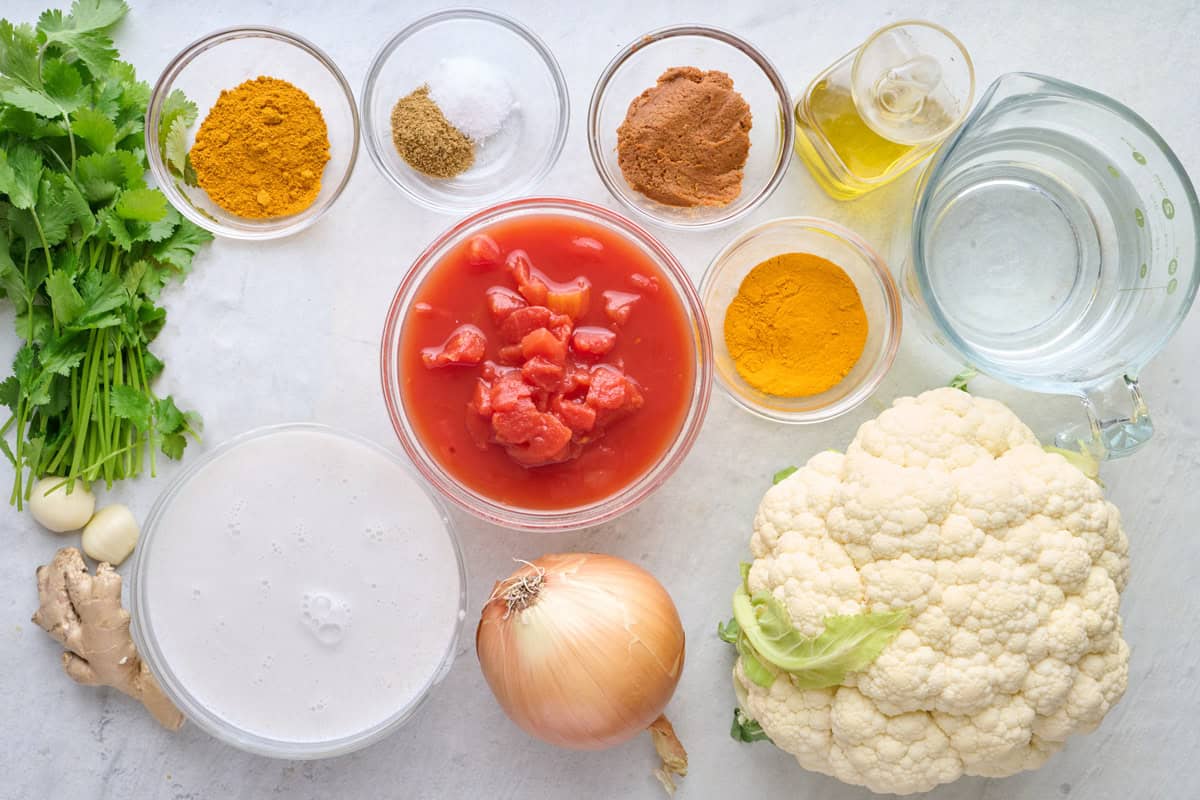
<point>1031,251</point>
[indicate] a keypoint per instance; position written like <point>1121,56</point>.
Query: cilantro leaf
<point>59,206</point>
<point>173,446</point>
<point>12,282</point>
<point>94,128</point>
<point>34,101</point>
<point>182,245</point>
<point>63,84</point>
<point>10,392</point>
<point>65,301</point>
<point>175,146</point>
<point>20,175</point>
<point>100,176</point>
<point>19,53</point>
<point>168,417</point>
<point>145,205</point>
<point>82,32</point>
<point>99,298</point>
<point>63,353</point>
<point>129,403</point>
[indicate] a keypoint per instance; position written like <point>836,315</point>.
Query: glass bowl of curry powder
<point>252,132</point>
<point>805,318</point>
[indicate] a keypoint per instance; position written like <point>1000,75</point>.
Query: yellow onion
<point>582,650</point>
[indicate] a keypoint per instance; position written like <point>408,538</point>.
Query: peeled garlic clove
<point>58,510</point>
<point>111,535</point>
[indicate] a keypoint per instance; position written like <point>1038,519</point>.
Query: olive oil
<point>882,108</point>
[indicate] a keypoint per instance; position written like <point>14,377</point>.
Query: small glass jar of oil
<point>883,107</point>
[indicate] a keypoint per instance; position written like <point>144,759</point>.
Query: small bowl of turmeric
<point>252,132</point>
<point>805,317</point>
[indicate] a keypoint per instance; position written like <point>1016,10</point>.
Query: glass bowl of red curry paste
<point>547,364</point>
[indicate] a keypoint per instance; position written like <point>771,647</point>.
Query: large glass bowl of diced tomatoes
<point>546,363</point>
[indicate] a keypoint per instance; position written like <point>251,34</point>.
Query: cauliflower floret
<point>1011,564</point>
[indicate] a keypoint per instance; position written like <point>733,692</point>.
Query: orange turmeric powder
<point>796,327</point>
<point>261,150</point>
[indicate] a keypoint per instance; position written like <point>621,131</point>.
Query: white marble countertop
<point>265,333</point>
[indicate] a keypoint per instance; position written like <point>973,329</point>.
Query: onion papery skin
<point>592,660</point>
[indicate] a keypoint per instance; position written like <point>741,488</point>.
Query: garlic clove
<point>111,535</point>
<point>58,510</point>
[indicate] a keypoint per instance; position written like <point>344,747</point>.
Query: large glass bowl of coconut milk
<point>298,592</point>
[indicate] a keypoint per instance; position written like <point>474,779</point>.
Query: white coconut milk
<point>301,587</point>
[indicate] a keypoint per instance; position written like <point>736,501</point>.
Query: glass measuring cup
<point>1055,248</point>
<point>882,108</point>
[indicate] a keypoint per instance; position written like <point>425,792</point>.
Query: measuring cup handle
<point>1118,421</point>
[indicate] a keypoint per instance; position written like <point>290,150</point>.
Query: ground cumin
<point>685,140</point>
<point>426,140</point>
<point>261,150</point>
<point>796,327</point>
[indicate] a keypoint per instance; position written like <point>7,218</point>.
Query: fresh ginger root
<point>83,613</point>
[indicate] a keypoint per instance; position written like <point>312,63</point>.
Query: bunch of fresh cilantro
<point>85,249</point>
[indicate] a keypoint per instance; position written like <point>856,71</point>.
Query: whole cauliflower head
<point>1011,564</point>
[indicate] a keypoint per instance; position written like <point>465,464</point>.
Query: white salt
<point>472,96</point>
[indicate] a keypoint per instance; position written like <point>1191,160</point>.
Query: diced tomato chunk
<point>523,321</point>
<point>502,301</point>
<point>619,305</point>
<point>481,399</point>
<point>482,252</point>
<point>570,299</point>
<point>607,389</point>
<point>508,391</point>
<point>593,341</point>
<point>517,424</point>
<point>530,283</point>
<point>542,342</point>
<point>510,355</point>
<point>561,326</point>
<point>586,245</point>
<point>543,373</point>
<point>579,417</point>
<point>647,283</point>
<point>465,346</point>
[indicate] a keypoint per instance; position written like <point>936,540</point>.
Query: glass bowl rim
<point>389,47</point>
<point>211,723</point>
<point>163,87</point>
<point>606,508</point>
<point>892,304</point>
<point>760,60</point>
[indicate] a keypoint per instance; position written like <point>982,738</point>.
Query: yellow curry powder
<point>261,150</point>
<point>797,325</point>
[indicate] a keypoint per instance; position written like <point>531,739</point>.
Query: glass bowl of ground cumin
<point>252,132</point>
<point>690,127</point>
<point>805,319</point>
<point>464,108</point>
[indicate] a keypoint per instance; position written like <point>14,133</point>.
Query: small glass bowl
<point>637,67</point>
<point>222,60</point>
<point>508,164</point>
<point>547,519</point>
<point>875,286</point>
